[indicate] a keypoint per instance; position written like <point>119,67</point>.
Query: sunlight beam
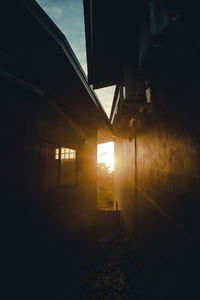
<point>105,154</point>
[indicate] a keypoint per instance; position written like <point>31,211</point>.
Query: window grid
<point>57,153</point>
<point>65,153</point>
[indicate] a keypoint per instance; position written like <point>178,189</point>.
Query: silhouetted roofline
<point>35,9</point>
<point>39,14</point>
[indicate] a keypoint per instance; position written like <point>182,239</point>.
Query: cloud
<point>68,16</point>
<point>84,66</point>
<point>105,96</point>
<point>53,11</point>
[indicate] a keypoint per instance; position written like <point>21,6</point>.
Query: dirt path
<point>114,269</point>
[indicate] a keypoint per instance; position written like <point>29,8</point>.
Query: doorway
<point>105,176</point>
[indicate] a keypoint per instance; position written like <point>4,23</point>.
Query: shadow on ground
<point>102,266</point>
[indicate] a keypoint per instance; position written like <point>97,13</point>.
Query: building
<point>50,123</point>
<point>150,51</point>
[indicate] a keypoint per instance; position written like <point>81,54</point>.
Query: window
<point>57,166</point>
<point>66,153</point>
<point>68,166</point>
<point>67,158</point>
<point>57,153</point>
<point>49,167</point>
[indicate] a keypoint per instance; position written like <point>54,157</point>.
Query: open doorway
<point>105,176</point>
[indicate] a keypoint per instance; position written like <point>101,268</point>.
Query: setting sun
<point>105,154</point>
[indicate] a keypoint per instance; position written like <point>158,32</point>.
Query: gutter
<point>115,104</point>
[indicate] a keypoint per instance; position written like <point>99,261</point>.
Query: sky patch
<point>69,17</point>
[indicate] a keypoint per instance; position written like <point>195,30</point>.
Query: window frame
<point>58,181</point>
<point>60,165</point>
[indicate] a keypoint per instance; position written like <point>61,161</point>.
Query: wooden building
<point>150,51</point>
<point>50,123</point>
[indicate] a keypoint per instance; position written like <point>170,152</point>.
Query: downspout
<point>133,137</point>
<point>135,190</point>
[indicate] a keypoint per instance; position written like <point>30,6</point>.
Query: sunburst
<point>105,154</point>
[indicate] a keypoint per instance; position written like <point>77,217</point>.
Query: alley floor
<point>116,270</point>
<point>105,267</point>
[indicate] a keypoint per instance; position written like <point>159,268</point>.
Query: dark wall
<point>159,192</point>
<point>28,121</point>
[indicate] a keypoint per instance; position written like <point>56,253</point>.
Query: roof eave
<point>37,12</point>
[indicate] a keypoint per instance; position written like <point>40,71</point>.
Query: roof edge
<point>37,12</point>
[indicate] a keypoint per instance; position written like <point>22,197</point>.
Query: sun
<point>105,154</point>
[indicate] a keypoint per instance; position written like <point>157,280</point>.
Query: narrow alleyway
<point>115,269</point>
<point>104,266</point>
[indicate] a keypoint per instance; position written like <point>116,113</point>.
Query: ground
<point>103,266</point>
<point>116,270</point>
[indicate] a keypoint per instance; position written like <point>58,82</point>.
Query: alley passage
<point>116,270</point>
<point>102,266</point>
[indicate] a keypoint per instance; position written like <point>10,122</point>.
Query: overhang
<point>112,29</point>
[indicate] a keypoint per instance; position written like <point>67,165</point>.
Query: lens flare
<point>105,154</point>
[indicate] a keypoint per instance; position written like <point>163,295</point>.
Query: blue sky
<point>68,16</point>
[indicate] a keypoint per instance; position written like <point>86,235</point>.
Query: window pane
<point>68,167</point>
<point>57,153</point>
<point>73,154</point>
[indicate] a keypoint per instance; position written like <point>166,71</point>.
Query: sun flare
<point>105,154</point>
